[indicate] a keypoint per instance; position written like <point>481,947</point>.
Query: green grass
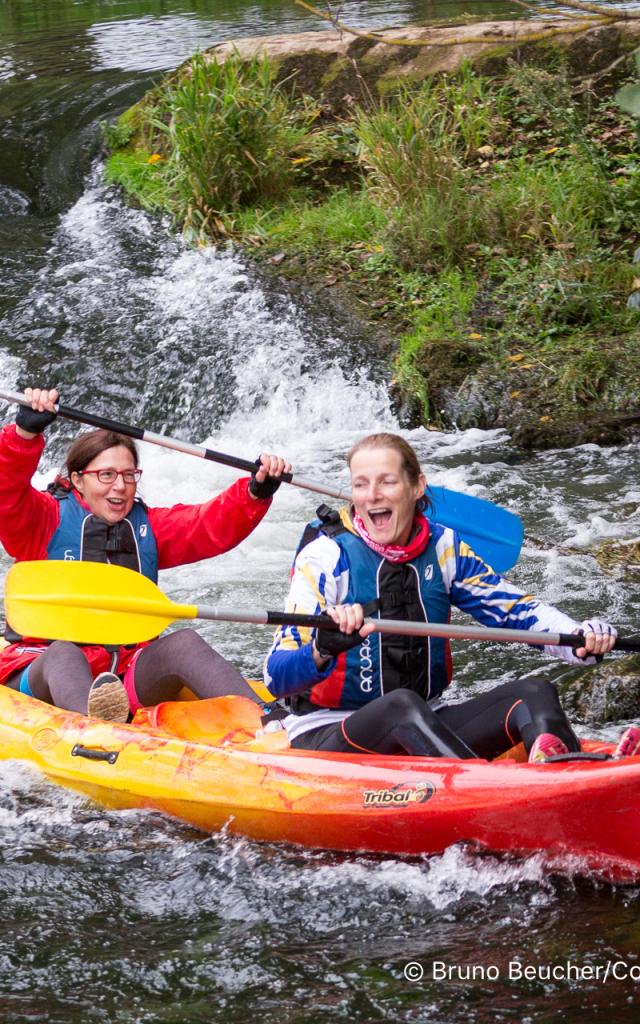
<point>145,182</point>
<point>222,134</point>
<point>443,346</point>
<point>343,220</point>
<point>489,223</point>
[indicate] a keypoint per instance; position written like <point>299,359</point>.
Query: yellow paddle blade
<point>87,602</point>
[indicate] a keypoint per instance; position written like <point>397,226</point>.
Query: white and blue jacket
<point>343,569</point>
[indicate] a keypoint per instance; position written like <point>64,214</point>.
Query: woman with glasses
<point>92,513</point>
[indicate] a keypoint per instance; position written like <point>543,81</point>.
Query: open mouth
<point>117,504</point>
<point>380,517</point>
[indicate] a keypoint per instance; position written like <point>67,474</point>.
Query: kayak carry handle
<point>111,756</point>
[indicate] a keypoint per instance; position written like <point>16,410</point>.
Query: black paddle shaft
<point>80,416</point>
<point>556,639</point>
<point>621,644</point>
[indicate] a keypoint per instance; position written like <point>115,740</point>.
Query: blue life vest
<point>407,591</point>
<point>81,536</point>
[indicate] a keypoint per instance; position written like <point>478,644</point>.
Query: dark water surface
<point>128,917</point>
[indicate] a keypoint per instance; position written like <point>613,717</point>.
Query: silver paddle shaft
<point>445,630</point>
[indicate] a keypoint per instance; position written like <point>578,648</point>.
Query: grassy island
<point>487,218</point>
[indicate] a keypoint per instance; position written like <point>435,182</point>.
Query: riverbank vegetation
<point>488,221</point>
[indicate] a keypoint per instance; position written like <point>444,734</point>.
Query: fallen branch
<point>610,67</point>
<point>597,15</point>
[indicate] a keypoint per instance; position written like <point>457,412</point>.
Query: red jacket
<point>183,533</point>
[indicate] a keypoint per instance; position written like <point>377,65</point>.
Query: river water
<point>128,917</point>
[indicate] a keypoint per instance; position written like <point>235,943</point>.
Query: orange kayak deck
<point>200,762</point>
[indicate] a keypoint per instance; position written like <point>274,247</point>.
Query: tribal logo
<point>399,795</point>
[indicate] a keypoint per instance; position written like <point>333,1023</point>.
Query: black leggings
<point>401,722</point>
<point>61,675</point>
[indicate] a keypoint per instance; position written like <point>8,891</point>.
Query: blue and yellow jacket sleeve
<point>320,578</point>
<point>490,598</point>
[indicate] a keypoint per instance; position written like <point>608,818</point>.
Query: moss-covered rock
<point>609,692</point>
<point>363,66</point>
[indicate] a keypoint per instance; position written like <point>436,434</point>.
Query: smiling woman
<point>352,691</point>
<point>387,487</point>
<point>92,513</point>
<point>103,469</point>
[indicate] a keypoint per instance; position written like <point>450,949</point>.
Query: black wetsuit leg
<point>515,712</point>
<point>400,722</point>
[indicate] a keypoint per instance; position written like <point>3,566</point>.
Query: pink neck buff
<point>394,552</point>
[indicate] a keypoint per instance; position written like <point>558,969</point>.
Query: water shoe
<point>108,698</point>
<point>629,743</point>
<point>546,745</point>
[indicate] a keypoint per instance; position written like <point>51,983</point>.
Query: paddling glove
<point>34,422</point>
<point>331,642</point>
<point>263,490</point>
<point>595,626</point>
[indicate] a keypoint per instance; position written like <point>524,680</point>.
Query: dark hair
<point>88,446</point>
<point>410,461</point>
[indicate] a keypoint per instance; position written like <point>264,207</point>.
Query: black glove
<point>331,642</point>
<point>267,488</point>
<point>32,421</point>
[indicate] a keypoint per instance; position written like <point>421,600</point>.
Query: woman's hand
<point>30,422</point>
<point>599,638</point>
<point>266,478</point>
<point>328,643</point>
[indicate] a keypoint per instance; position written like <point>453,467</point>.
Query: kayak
<point>212,765</point>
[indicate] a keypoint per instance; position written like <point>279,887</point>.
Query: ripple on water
<point>13,202</point>
<point>140,917</point>
<point>145,920</point>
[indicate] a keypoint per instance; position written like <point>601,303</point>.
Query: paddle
<point>79,416</point>
<point>494,533</point>
<point>89,602</point>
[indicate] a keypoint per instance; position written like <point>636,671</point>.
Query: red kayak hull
<point>579,816</point>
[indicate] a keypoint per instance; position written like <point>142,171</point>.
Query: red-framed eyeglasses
<point>109,476</point>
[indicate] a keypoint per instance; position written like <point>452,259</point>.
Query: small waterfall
<point>132,323</point>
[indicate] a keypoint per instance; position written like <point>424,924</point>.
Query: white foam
<point>7,68</point>
<point>23,795</point>
<point>441,880</point>
<point>13,202</point>
<point>11,368</point>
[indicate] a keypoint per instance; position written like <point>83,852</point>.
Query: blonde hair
<point>409,459</point>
